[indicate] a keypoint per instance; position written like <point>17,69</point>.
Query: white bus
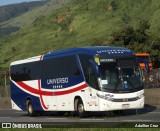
<point>85,79</point>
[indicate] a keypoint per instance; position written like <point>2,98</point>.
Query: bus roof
<point>108,51</point>
<point>100,50</point>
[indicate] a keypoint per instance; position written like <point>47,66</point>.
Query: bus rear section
<point>146,57</point>
<point>78,79</point>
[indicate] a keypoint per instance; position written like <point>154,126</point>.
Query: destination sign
<point>107,60</point>
<point>115,51</point>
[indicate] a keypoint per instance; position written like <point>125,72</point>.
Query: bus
<point>99,78</point>
<point>146,57</point>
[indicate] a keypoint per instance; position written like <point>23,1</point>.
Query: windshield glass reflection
<point>119,79</point>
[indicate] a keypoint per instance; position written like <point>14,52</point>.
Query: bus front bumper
<point>106,105</point>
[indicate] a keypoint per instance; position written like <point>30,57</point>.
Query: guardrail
<point>5,101</point>
<point>152,79</point>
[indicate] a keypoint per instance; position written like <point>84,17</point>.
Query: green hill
<point>8,12</point>
<point>26,19</point>
<point>82,23</point>
<point>11,11</point>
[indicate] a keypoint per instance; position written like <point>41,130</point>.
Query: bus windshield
<point>120,76</point>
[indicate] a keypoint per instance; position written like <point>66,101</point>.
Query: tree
<point>141,32</point>
<point>125,36</point>
<point>130,36</point>
<point>138,39</point>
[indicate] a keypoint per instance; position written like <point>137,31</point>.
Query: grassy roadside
<point>87,129</point>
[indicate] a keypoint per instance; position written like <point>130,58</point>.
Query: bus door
<point>92,99</point>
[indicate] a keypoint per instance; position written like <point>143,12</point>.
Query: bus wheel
<point>80,109</point>
<point>30,109</point>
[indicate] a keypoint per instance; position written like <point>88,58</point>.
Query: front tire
<point>80,109</point>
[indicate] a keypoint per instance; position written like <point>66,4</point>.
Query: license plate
<point>125,106</point>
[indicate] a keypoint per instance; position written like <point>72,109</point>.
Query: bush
<point>137,39</point>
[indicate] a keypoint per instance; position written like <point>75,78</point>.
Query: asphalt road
<point>150,114</point>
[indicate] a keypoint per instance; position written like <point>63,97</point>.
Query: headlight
<point>101,96</point>
<point>105,97</point>
<point>141,96</point>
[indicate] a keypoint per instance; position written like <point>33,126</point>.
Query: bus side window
<point>90,77</point>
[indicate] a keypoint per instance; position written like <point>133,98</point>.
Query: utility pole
<point>5,82</point>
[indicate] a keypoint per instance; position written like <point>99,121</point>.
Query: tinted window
<point>60,67</point>
<point>127,62</point>
<point>51,68</point>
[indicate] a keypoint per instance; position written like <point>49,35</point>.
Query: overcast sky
<point>6,2</point>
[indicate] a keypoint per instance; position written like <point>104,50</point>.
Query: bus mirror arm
<point>95,67</point>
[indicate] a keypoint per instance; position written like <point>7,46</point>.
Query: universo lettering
<point>57,81</point>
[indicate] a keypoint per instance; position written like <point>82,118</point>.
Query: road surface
<point>149,115</point>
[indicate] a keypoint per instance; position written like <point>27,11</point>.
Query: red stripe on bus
<point>70,91</point>
<point>41,57</point>
<point>41,99</point>
<point>49,93</point>
<point>39,87</point>
<point>33,90</point>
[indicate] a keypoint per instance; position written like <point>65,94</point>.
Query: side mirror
<point>95,67</point>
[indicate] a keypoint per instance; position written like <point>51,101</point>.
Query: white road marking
<point>136,120</point>
<point>20,112</point>
<point>6,110</point>
<point>4,117</point>
<point>154,112</point>
<point>91,119</point>
<point>57,118</point>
